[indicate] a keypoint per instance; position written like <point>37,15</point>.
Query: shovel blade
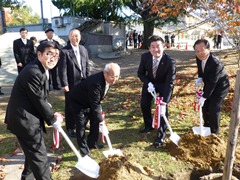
<point>203,131</point>
<point>175,138</point>
<point>88,166</point>
<point>112,152</point>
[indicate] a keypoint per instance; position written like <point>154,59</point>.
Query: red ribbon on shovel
<point>199,94</point>
<point>56,137</point>
<point>156,116</point>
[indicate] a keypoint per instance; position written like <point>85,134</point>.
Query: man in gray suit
<point>28,109</point>
<point>73,67</point>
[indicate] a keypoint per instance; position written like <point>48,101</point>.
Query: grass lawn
<point>124,119</point>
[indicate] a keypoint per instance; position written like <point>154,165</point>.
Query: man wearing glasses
<point>28,109</point>
<point>86,99</point>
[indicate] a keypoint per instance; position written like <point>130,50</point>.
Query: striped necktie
<point>155,66</point>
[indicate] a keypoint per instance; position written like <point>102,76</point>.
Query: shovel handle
<point>201,119</point>
<point>168,125</point>
<point>109,142</point>
<point>69,143</point>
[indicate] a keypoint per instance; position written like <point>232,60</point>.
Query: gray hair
<point>111,66</point>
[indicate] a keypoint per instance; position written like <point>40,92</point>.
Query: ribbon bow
<point>156,116</point>
<point>199,94</point>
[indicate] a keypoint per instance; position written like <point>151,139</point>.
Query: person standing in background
<point>212,74</point>
<point>23,50</point>
<point>157,71</point>
<point>34,40</point>
<point>53,79</point>
<point>73,68</point>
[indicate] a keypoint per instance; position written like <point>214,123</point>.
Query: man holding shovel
<point>28,109</point>
<point>86,99</point>
<point>216,84</point>
<point>157,71</point>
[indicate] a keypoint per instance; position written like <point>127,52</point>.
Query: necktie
<point>106,89</point>
<point>155,66</point>
<point>203,65</point>
<point>79,61</point>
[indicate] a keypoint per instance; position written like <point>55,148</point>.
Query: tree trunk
<point>148,28</point>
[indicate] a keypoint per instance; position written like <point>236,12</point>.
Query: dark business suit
<point>23,53</point>
<point>70,74</point>
<point>216,88</point>
<point>87,96</point>
<point>163,83</point>
<point>26,113</point>
<point>53,72</point>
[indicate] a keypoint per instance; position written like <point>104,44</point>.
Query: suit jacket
<point>165,75</point>
<point>28,107</point>
<point>23,53</point>
<point>69,70</point>
<point>214,77</point>
<point>88,94</point>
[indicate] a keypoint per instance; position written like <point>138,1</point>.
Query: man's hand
<point>103,128</point>
<point>65,89</point>
<point>201,101</point>
<point>198,82</point>
<point>59,121</point>
<point>151,87</point>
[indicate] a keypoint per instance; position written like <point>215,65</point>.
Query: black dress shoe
<point>71,133</point>
<point>97,146</point>
<point>158,143</point>
<point>145,130</point>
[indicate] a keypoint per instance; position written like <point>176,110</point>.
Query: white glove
<point>103,128</point>
<point>201,101</point>
<point>59,121</point>
<point>151,87</point>
<point>198,82</point>
<point>163,109</point>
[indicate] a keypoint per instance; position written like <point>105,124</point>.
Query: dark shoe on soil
<point>145,130</point>
<point>97,146</point>
<point>158,143</point>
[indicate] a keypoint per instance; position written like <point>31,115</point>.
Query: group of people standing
<point>28,108</point>
<point>134,39</point>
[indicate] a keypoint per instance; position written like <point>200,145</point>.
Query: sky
<point>49,10</point>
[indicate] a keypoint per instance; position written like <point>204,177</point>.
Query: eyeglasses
<point>51,55</point>
<point>113,77</point>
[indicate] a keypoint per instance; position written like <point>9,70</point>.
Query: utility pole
<point>41,3</point>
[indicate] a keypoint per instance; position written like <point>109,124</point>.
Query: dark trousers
<point>36,160</point>
<point>53,79</point>
<point>146,102</point>
<point>81,117</point>
<point>70,123</point>
<point>211,111</point>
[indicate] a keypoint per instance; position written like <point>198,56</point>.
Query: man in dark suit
<point>156,70</point>
<point>28,109</point>
<point>211,72</point>
<point>86,103</point>
<point>53,78</point>
<point>73,68</point>
<point>23,50</point>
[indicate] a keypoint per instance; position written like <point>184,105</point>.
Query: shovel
<point>173,136</point>
<point>111,151</point>
<point>85,164</point>
<point>203,131</point>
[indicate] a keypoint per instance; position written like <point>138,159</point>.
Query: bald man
<point>86,99</point>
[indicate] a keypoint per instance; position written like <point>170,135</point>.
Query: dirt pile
<point>202,151</point>
<point>123,168</point>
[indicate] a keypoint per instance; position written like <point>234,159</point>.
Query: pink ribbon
<point>199,94</point>
<point>156,116</point>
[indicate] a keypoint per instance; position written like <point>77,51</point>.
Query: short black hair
<point>48,30</point>
<point>33,38</point>
<point>46,44</point>
<point>204,41</point>
<point>154,38</point>
<point>23,29</point>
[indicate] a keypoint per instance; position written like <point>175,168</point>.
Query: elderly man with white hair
<point>86,99</point>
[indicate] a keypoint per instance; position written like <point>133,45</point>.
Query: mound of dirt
<point>123,168</point>
<point>201,151</point>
